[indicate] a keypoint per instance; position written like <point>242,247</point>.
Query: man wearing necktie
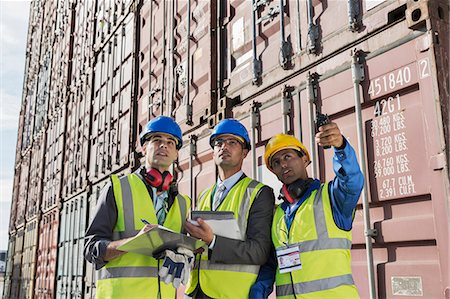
<point>230,266</point>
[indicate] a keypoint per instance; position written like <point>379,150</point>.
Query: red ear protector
<point>295,190</point>
<point>161,181</point>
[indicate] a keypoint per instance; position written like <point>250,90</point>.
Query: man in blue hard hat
<point>230,266</point>
<point>124,207</point>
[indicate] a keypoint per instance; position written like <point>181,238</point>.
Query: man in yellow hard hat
<point>311,229</point>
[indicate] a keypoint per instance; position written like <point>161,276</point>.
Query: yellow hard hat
<point>280,142</point>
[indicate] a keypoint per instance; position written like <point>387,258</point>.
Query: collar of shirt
<point>290,210</point>
<point>230,182</point>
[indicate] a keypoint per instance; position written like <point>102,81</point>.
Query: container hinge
<point>189,114</point>
<point>273,12</point>
<point>354,15</point>
<point>254,116</point>
<point>358,66</point>
<point>371,232</point>
<point>193,145</point>
<point>287,99</point>
<point>313,83</point>
<point>313,37</point>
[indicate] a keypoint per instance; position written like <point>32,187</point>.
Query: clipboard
<point>222,223</point>
<point>158,239</point>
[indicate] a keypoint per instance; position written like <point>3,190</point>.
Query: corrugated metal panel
<point>47,253</point>
<point>112,117</point>
<point>166,63</point>
<point>23,190</point>
<point>70,271</point>
<point>53,161</point>
<point>9,267</point>
<point>28,106</point>
<point>90,275</point>
<point>43,88</point>
<point>29,259</point>
<point>61,57</point>
<point>76,153</point>
<point>35,181</point>
<point>17,264</point>
<point>15,198</point>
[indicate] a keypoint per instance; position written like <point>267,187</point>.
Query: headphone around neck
<point>295,190</point>
<point>158,180</point>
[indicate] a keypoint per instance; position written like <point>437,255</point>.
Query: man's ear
<point>244,153</point>
<point>144,149</point>
<point>305,160</point>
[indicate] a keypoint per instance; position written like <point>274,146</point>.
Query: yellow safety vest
<point>135,275</point>
<point>324,252</point>
<point>225,280</point>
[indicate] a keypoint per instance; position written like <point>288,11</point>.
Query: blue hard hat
<point>162,124</point>
<point>233,127</point>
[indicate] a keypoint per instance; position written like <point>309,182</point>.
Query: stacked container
<point>379,69</point>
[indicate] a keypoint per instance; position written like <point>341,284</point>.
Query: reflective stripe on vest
<point>302,288</point>
<point>315,250</point>
<point>133,203</point>
<point>219,280</point>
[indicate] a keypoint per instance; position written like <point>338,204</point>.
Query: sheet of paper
<point>222,223</point>
<point>159,239</point>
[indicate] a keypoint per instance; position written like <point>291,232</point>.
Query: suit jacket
<point>256,248</point>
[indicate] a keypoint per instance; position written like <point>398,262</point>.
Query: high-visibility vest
<point>135,275</point>
<point>324,252</point>
<point>227,280</point>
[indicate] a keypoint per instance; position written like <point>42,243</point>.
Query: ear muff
<point>158,180</point>
<point>286,195</point>
<point>295,190</point>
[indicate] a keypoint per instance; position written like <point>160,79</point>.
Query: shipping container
<point>90,273</point>
<point>112,115</point>
<point>45,278</point>
<point>9,267</point>
<point>97,71</point>
<point>23,190</point>
<point>35,177</point>
<point>29,259</point>
<point>71,264</point>
<point>177,61</point>
<point>61,57</point>
<point>17,264</point>
<point>53,161</point>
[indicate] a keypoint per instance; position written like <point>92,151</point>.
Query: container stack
<point>97,71</point>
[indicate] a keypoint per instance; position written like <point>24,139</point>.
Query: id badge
<point>289,259</point>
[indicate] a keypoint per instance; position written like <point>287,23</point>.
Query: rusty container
<point>47,253</point>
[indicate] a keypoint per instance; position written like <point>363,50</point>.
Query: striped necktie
<point>218,195</point>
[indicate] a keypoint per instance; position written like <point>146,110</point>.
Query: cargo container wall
<point>90,273</point>
<point>61,57</point>
<point>112,105</point>
<point>174,37</point>
<point>47,254</point>
<point>29,259</point>
<point>406,192</point>
<point>71,263</point>
<point>16,277</point>
<point>36,177</point>
<point>9,267</point>
<point>23,190</point>
<point>53,161</point>
<point>15,198</point>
